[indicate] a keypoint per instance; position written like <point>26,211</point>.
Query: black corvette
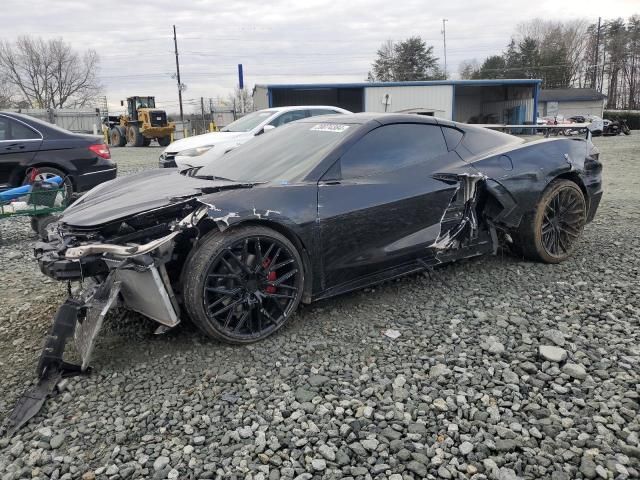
<point>83,160</point>
<point>314,209</point>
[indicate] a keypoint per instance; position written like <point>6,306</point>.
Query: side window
<point>322,111</point>
<point>4,129</point>
<point>391,147</point>
<point>22,132</point>
<point>289,117</point>
<point>452,136</point>
<point>12,130</point>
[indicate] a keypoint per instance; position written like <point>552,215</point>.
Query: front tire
<point>551,233</point>
<point>243,285</point>
<point>164,141</point>
<point>39,225</point>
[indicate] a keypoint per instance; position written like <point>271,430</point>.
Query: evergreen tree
<point>408,60</point>
<point>493,67</point>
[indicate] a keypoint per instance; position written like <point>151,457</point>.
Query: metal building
<point>571,101</point>
<point>513,101</point>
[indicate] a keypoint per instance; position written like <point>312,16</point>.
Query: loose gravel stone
<point>418,468</point>
<point>575,370</point>
<point>441,404</point>
<point>160,463</point>
<point>552,354</point>
<point>466,448</point>
<point>493,345</point>
<point>319,464</point>
<point>370,444</point>
<point>327,452</point>
<point>556,336</point>
<point>57,441</point>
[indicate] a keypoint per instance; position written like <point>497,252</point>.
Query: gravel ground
<point>504,369</point>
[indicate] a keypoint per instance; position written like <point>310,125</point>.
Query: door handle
<point>330,182</point>
<point>15,146</point>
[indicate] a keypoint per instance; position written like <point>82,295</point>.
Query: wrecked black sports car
<point>314,209</point>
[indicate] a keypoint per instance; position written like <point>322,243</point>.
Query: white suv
<point>198,150</point>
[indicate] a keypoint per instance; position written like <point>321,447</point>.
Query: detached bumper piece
<point>51,367</point>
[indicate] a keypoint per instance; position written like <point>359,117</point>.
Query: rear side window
<point>452,137</point>
<point>322,111</point>
<point>391,147</point>
<point>4,129</point>
<point>12,130</point>
<point>289,117</point>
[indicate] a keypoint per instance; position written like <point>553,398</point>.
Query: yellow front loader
<point>141,124</point>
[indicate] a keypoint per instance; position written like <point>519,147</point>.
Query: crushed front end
<point>129,263</point>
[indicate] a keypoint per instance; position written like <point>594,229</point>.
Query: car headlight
<point>195,152</point>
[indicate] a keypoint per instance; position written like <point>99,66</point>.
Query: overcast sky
<point>277,41</point>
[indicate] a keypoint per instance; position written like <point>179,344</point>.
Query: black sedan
<point>25,142</point>
<point>317,208</point>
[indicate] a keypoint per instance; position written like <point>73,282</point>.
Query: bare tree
<point>240,100</point>
<point>6,95</point>
<point>468,69</point>
<point>49,74</point>
<point>382,68</point>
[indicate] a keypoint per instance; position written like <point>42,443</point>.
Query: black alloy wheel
<point>550,234</point>
<point>243,286</point>
<point>562,222</point>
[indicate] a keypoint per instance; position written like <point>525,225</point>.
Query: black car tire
<point>134,137</point>
<point>551,232</point>
<point>40,223</point>
<point>242,285</point>
<point>146,142</point>
<point>48,172</point>
<point>117,137</point>
<point>164,141</point>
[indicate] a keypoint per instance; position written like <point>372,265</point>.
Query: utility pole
<point>175,42</point>
<point>444,41</point>
<point>212,126</point>
<point>204,128</point>
<point>597,57</point>
<point>604,59</point>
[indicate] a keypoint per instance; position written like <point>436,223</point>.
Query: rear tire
<point>146,142</point>
<point>134,137</point>
<point>117,137</point>
<point>49,172</point>
<point>242,285</point>
<point>551,232</point>
<point>164,141</point>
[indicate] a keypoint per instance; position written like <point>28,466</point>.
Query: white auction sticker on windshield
<point>329,127</point>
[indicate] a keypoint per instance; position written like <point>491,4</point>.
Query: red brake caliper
<point>271,276</point>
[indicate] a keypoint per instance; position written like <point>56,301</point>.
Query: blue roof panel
<point>309,86</point>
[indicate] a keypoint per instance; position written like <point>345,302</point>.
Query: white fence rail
<point>76,120</point>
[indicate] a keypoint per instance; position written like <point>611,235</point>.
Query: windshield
<point>145,102</point>
<point>248,122</point>
<point>284,155</point>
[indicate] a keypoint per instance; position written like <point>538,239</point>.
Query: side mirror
<point>268,128</point>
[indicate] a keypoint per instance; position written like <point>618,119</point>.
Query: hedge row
<point>631,116</point>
